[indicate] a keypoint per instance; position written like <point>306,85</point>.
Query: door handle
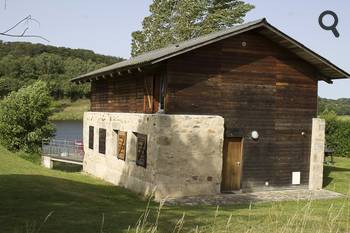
<point>238,164</point>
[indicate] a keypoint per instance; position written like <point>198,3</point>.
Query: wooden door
<point>232,164</point>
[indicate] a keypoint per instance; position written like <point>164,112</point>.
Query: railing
<point>63,149</point>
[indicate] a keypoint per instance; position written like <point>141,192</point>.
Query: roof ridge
<point>142,58</point>
<point>202,36</point>
<point>175,49</point>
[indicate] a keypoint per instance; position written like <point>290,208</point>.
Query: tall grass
<point>275,220</point>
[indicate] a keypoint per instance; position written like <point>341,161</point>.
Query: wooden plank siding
<point>121,94</point>
<point>260,86</point>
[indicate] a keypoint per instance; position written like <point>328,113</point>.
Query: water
<point>69,130</point>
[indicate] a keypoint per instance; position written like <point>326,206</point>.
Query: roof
<point>326,68</point>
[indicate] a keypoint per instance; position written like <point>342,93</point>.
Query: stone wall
<point>184,153</point>
<point>317,154</point>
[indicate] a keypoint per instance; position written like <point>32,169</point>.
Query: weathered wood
<point>121,146</point>
<point>259,87</point>
<point>148,96</point>
<point>122,94</point>
<point>141,152</point>
<point>232,161</point>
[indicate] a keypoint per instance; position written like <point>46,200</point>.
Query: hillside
<point>21,63</point>
<point>340,106</point>
<point>70,110</point>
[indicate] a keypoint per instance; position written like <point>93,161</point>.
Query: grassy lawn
<point>67,110</point>
<point>344,118</point>
<point>79,203</point>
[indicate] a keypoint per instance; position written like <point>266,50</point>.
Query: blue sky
<point>105,26</point>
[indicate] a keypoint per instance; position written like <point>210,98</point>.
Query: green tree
<point>24,118</point>
<point>172,21</point>
<point>47,63</point>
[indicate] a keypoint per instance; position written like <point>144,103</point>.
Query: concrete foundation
<point>317,154</point>
<point>46,162</point>
<point>184,153</point>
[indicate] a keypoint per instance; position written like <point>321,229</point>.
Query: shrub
<point>337,134</point>
<point>24,118</point>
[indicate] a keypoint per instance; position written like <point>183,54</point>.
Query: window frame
<point>155,90</point>
<point>121,134</point>
<point>102,132</point>
<point>91,137</point>
<point>162,92</point>
<point>141,158</point>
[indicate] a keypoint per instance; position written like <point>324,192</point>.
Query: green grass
<point>80,203</point>
<point>344,118</point>
<point>67,110</point>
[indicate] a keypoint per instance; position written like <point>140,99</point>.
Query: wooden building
<point>260,81</point>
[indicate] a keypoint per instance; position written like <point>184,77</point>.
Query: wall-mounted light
<point>254,135</point>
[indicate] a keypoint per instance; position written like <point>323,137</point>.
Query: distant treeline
<point>22,63</point>
<point>339,106</point>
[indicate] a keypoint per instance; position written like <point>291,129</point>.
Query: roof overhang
<point>327,70</point>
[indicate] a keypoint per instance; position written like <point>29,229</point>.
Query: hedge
<point>337,134</point>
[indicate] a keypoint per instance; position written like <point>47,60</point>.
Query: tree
<point>173,21</point>
<point>24,118</point>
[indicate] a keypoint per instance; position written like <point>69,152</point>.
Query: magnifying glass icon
<point>332,27</point>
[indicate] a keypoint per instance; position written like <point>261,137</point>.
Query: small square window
<point>91,137</point>
<point>141,153</point>
<point>102,141</point>
<point>121,145</point>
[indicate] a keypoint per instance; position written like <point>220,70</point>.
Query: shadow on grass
<point>67,167</point>
<point>78,207</point>
<point>327,170</point>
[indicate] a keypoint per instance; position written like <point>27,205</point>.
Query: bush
<point>337,134</point>
<point>24,118</point>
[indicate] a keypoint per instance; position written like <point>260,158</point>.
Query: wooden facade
<point>259,86</point>
<point>252,82</point>
<point>125,94</point>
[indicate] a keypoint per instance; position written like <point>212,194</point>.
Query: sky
<point>105,26</point>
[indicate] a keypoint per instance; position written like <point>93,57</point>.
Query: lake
<point>69,130</point>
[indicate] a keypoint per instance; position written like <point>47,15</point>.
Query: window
<point>141,152</point>
<point>102,141</point>
<point>148,94</point>
<point>154,93</point>
<point>91,137</point>
<point>162,92</point>
<point>121,146</point>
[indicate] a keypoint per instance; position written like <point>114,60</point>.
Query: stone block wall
<point>184,153</point>
<point>317,154</point>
